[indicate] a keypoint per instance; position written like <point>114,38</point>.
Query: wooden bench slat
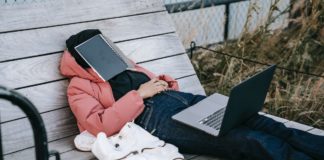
<point>261,113</point>
<point>317,131</point>
<point>17,135</point>
<point>177,66</point>
<point>50,40</point>
<point>293,124</point>
<point>303,127</point>
<point>150,48</point>
<point>61,145</point>
<point>32,71</point>
<point>59,12</point>
<point>279,119</point>
<point>191,84</point>
<point>57,91</point>
<point>25,139</point>
<point>77,155</point>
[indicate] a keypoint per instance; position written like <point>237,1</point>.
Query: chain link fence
<point>214,21</point>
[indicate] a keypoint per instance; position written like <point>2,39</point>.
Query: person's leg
<point>303,141</point>
<point>241,143</point>
<point>265,146</point>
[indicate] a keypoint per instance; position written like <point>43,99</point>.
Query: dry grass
<point>300,46</point>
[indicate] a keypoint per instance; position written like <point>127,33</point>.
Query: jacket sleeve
<point>94,117</point>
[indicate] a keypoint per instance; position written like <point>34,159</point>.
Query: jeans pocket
<point>177,96</point>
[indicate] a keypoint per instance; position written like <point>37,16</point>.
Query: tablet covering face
<point>103,56</point>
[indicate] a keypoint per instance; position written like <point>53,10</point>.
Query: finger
<point>162,83</point>
<point>156,89</point>
<point>163,80</point>
<point>157,84</point>
<point>158,81</point>
<point>160,88</point>
<point>155,79</point>
<point>165,83</point>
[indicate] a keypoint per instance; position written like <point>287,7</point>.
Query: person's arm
<point>94,117</point>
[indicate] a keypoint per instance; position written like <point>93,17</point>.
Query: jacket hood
<point>70,68</point>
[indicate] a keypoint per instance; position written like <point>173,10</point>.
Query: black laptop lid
<point>246,99</point>
<point>99,54</point>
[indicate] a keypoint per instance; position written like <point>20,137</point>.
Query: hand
<point>152,87</point>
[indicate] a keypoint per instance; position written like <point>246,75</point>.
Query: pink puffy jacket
<point>92,102</point>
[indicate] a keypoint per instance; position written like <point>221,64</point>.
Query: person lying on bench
<point>152,100</point>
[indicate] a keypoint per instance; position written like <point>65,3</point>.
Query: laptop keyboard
<point>214,120</point>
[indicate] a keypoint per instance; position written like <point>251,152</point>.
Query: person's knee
<point>248,144</point>
<point>259,150</point>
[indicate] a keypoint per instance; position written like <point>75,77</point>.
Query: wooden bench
<point>32,38</point>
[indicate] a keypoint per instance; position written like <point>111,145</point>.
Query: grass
<point>299,46</point>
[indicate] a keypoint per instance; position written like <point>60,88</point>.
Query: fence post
<point>226,24</point>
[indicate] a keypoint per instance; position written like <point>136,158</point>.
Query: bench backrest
<point>32,38</point>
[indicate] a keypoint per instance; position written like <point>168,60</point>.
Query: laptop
<point>218,114</point>
<point>103,56</point>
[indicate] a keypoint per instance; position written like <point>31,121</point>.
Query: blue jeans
<point>259,137</point>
